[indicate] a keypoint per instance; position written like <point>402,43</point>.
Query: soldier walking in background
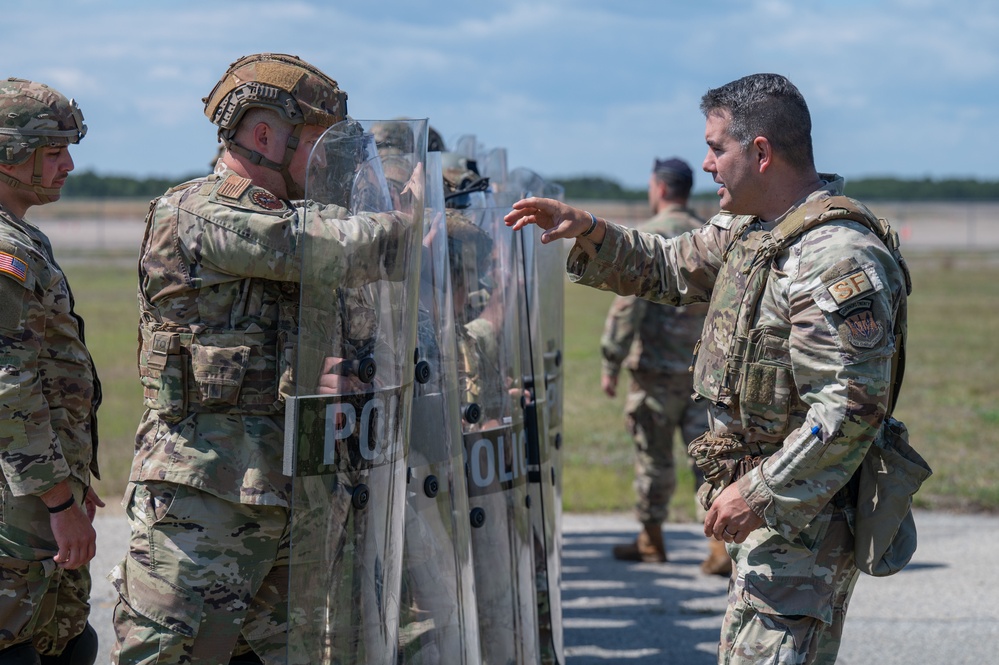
<point>656,343</point>
<point>49,394</point>
<point>797,364</point>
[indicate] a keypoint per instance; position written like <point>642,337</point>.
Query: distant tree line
<point>88,184</point>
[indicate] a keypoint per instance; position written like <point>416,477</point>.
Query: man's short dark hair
<point>766,105</point>
<point>675,174</point>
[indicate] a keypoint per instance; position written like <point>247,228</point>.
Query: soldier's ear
<point>263,136</point>
<point>763,152</point>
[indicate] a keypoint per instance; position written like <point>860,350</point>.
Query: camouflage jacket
<point>220,272</point>
<point>49,391</point>
<point>650,337</point>
<point>817,354</point>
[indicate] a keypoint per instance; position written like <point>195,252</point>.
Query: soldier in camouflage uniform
<point>49,394</point>
<point>807,298</point>
<point>220,273</point>
<point>656,342</point>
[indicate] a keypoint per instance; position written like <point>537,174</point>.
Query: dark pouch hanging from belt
<point>884,530</point>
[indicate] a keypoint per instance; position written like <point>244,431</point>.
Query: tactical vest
<point>187,369</point>
<point>735,363</point>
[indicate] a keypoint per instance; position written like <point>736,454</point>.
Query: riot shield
<point>483,260</point>
<point>536,296</point>
<point>493,166</point>
<point>438,623</point>
<point>347,423</point>
<point>549,335</point>
<point>550,263</point>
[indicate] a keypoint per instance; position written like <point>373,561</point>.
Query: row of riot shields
<point>521,620</point>
<point>424,430</point>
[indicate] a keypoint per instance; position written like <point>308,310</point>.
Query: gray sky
<point>906,88</point>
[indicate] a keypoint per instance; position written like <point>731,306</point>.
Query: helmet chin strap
<point>292,189</point>
<point>44,194</point>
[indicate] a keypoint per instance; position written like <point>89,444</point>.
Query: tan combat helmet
<point>32,116</point>
<point>300,93</point>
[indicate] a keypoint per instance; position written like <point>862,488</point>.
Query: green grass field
<point>950,400</point>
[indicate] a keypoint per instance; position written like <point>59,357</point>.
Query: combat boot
<point>647,548</point>
<point>718,561</point>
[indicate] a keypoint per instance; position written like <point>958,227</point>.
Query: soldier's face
<point>300,160</point>
<point>732,166</point>
<point>56,165</point>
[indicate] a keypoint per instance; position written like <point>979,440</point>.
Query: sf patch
<point>851,286</point>
<point>266,200</point>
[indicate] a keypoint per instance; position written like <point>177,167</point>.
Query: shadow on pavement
<point>615,611</point>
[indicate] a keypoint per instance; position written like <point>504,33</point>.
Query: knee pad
<point>81,650</point>
<point>20,654</point>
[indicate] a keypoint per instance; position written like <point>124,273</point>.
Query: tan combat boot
<point>647,548</point>
<point>718,561</point>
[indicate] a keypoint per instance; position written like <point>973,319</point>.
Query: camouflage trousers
<point>39,602</point>
<point>200,573</point>
<point>657,406</point>
<point>788,598</point>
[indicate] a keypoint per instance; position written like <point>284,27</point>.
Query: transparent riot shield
<point>551,260</point>
<point>549,336</point>
<point>493,166</point>
<point>438,622</point>
<point>347,423</point>
<point>535,296</point>
<point>483,263</point>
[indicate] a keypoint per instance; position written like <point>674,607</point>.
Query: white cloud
<point>568,86</point>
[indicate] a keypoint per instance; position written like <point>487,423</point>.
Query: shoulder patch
<point>850,286</point>
<point>234,186</point>
<point>13,266</point>
<point>862,329</point>
<point>266,200</point>
<point>844,284</point>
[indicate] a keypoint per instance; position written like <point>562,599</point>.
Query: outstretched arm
<point>557,219</point>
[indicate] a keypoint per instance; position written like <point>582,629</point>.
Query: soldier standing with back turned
<point>656,343</point>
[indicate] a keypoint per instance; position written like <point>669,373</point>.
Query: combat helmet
<point>35,116</point>
<point>297,91</point>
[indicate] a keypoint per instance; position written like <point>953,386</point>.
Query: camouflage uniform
<point>220,270</point>
<point>49,394</point>
<point>656,343</point>
<point>802,377</point>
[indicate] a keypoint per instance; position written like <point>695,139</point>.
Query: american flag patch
<point>234,186</point>
<point>12,265</point>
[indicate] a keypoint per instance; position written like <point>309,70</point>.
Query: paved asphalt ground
<point>942,609</point>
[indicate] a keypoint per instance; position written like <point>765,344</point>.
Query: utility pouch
<point>163,373</point>
<point>884,530</point>
<point>218,373</point>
